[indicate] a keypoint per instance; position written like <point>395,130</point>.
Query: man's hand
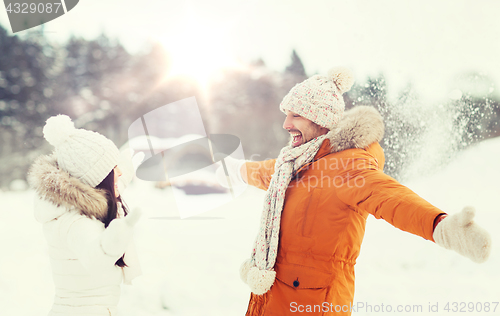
<point>458,232</point>
<point>233,167</point>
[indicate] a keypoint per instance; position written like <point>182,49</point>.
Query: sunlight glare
<point>198,50</point>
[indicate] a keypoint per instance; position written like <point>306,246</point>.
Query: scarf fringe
<point>259,281</point>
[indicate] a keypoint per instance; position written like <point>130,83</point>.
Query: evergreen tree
<point>296,67</point>
<point>25,100</point>
<point>95,86</point>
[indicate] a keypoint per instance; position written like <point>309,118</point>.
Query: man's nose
<point>288,122</point>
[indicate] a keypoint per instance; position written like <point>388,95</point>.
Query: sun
<point>197,49</point>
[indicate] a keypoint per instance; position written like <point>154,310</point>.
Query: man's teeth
<point>296,136</point>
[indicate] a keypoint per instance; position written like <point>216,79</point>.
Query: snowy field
<point>191,266</point>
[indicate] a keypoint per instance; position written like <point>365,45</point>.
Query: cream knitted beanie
<point>85,155</point>
<point>319,98</point>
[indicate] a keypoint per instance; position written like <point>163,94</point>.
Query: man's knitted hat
<point>85,155</point>
<point>319,98</point>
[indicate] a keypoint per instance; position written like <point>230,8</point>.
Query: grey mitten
<point>458,232</point>
<point>118,235</point>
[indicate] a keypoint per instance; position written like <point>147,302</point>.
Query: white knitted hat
<point>85,155</point>
<point>319,98</point>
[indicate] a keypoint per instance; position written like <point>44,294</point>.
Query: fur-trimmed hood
<point>360,127</point>
<point>56,187</point>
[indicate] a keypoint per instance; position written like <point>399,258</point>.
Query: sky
<point>427,43</point>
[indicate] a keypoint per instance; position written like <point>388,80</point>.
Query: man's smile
<point>296,138</point>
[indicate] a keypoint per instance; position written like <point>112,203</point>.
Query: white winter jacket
<point>86,279</point>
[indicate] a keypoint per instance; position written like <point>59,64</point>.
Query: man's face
<point>301,129</point>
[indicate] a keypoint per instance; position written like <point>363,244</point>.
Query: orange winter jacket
<point>324,216</point>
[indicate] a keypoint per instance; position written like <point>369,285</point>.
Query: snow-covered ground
<point>191,266</point>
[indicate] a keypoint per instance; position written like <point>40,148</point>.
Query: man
<point>320,191</point>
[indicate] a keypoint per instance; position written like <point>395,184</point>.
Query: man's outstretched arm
<point>368,188</point>
<point>240,172</point>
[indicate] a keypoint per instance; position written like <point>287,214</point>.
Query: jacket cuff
<point>438,219</point>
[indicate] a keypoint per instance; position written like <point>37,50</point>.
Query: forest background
<point>103,87</point>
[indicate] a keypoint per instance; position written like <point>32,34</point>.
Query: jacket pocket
<point>302,277</point>
<point>298,286</point>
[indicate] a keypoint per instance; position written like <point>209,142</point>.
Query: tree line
<point>103,87</point>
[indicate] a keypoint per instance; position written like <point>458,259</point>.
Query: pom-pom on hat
<point>319,98</point>
<point>85,155</point>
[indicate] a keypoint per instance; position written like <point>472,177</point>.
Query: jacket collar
<point>57,187</point>
<point>360,127</point>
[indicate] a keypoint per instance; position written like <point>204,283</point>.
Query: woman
<point>87,228</point>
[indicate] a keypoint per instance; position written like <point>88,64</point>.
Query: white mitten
<point>233,169</point>
<point>118,235</point>
<point>458,232</point>
<point>128,164</point>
